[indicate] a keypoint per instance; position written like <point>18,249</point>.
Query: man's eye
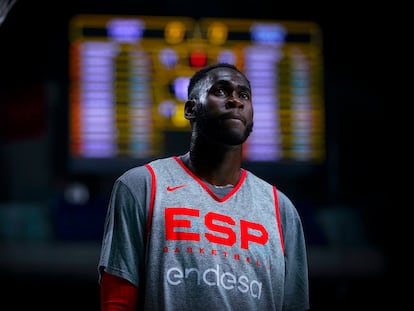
<point>244,95</point>
<point>220,92</point>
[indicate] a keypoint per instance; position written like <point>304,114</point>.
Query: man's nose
<point>234,102</point>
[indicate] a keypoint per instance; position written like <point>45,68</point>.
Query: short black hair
<point>202,73</point>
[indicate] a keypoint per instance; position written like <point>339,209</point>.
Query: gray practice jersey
<point>187,248</point>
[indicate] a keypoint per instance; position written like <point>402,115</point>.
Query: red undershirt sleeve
<point>117,294</point>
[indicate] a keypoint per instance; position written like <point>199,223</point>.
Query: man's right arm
<point>117,294</point>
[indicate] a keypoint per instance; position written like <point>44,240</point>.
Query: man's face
<point>225,112</point>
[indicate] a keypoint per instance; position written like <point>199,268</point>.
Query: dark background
<point>49,248</point>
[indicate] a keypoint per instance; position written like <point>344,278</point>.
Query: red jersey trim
<point>212,194</point>
<point>279,224</point>
<point>152,199</point>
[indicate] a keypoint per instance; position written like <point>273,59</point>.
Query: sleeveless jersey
<point>206,252</point>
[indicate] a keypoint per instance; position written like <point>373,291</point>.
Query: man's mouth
<point>234,117</point>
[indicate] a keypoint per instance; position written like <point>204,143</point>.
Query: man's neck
<point>216,168</point>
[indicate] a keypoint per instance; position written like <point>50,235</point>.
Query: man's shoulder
<point>162,161</point>
<point>143,171</point>
<point>261,182</point>
<point>256,178</point>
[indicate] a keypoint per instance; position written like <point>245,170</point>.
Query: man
<point>197,231</point>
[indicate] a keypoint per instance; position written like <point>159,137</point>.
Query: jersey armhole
<point>152,199</point>
<point>279,223</point>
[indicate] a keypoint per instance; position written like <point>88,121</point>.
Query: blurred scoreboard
<point>129,77</point>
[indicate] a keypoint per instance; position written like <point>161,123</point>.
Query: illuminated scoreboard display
<point>129,77</point>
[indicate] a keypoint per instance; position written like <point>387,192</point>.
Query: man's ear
<point>189,109</point>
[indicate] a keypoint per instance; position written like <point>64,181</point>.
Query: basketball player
<point>197,231</point>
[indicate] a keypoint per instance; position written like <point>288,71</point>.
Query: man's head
<point>219,104</point>
<point>203,74</point>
